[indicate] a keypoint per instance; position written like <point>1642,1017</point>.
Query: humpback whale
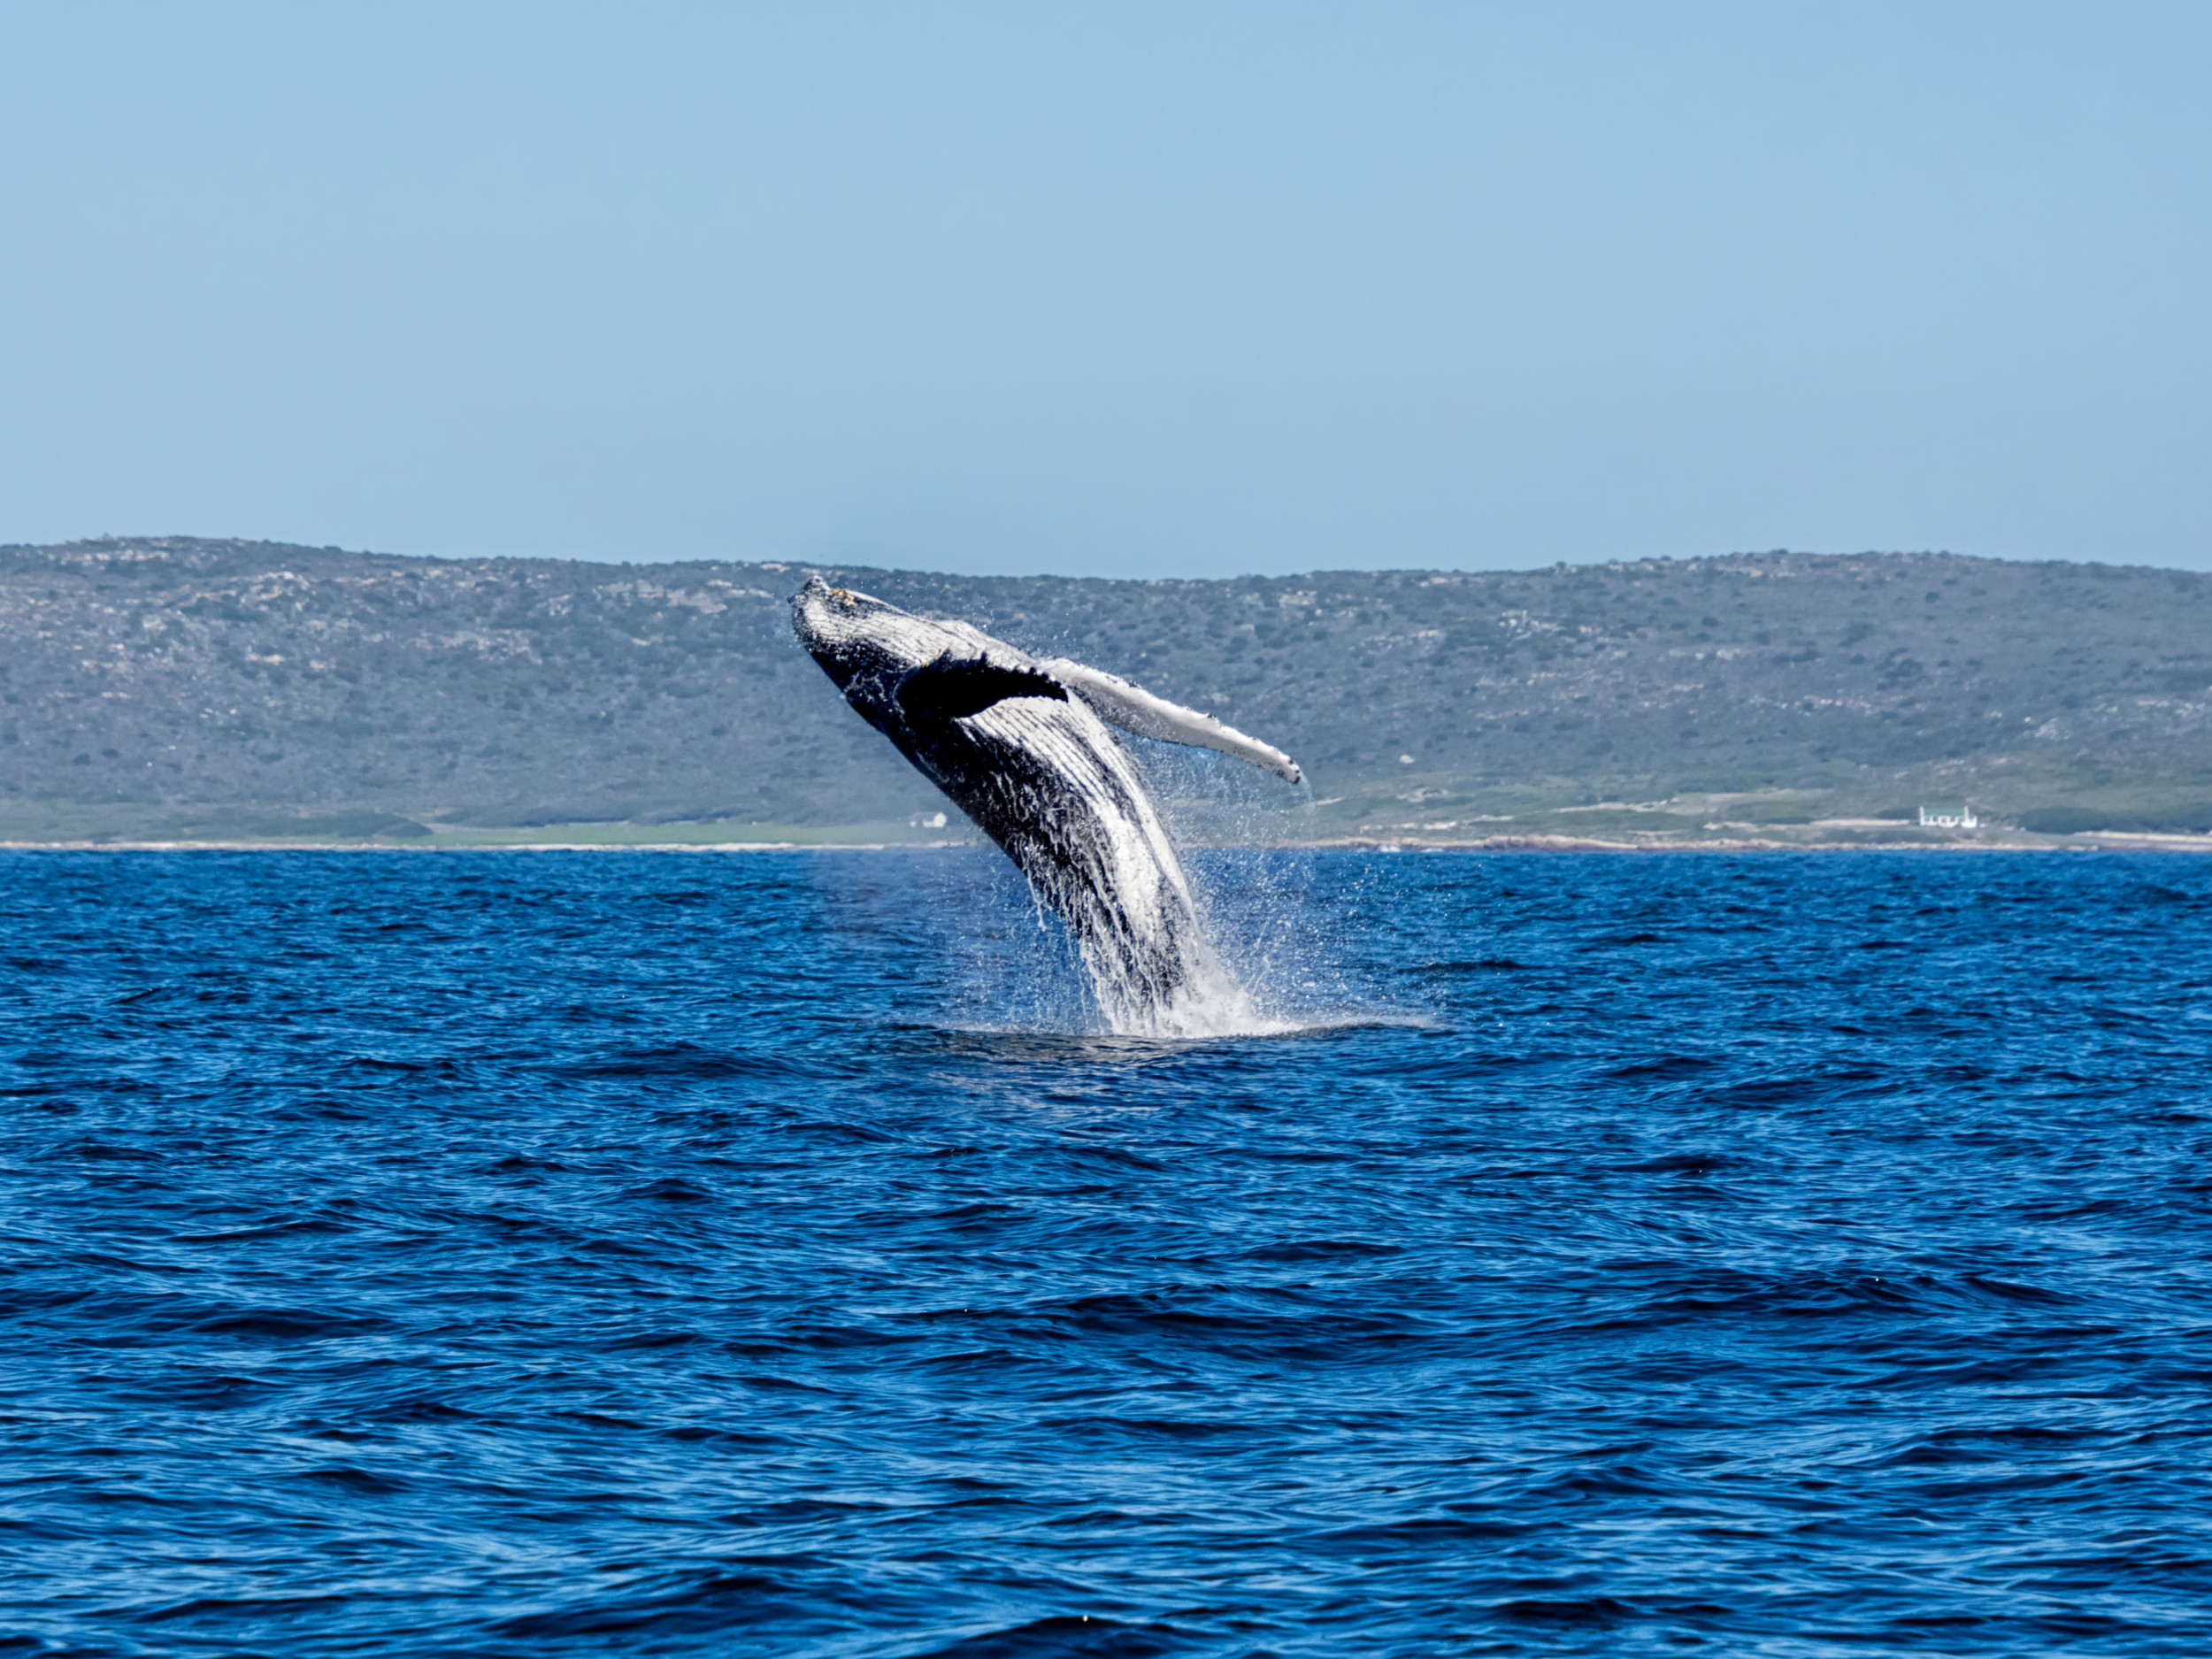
<point>1020,743</point>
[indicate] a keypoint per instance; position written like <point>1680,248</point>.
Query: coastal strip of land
<point>176,690</point>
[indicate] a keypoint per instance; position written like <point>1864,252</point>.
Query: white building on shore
<point>1963,819</point>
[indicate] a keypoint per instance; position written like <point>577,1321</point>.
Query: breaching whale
<point>1021,745</point>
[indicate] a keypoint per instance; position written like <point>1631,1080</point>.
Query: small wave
<point>232,1610</point>
<point>1078,1637</point>
<point>1593,1611</point>
<point>686,1060</point>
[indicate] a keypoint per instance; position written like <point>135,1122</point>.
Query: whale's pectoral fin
<point>1134,709</point>
<point>953,688</point>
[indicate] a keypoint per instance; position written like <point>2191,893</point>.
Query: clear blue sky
<point>1120,290</point>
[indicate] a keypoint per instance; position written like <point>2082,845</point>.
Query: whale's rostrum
<point>1021,745</point>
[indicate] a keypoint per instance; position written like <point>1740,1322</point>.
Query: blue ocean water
<point>537,1254</point>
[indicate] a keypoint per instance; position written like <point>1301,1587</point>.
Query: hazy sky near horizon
<point>1133,289</point>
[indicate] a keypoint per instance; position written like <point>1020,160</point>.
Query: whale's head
<point>851,635</point>
<point>909,675</point>
<point>866,645</point>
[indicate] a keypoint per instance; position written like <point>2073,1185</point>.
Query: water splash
<point>1259,951</point>
<point>1211,1001</point>
<point>1262,960</point>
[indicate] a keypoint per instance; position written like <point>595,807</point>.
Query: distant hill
<point>176,685</point>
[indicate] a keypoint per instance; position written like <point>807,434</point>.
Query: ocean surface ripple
<point>533,1253</point>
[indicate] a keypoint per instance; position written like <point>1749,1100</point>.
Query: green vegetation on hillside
<point>176,688</point>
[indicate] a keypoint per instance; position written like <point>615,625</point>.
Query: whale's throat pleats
<point>952,689</point>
